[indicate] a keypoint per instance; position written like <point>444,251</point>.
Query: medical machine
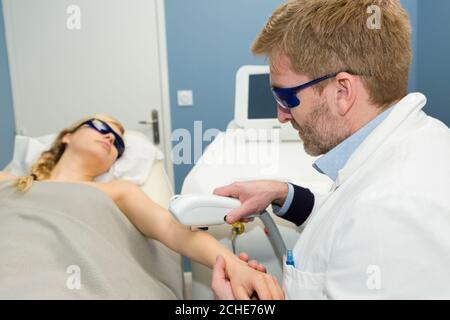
<point>207,210</point>
<point>255,107</point>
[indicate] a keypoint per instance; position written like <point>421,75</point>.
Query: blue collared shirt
<point>335,159</point>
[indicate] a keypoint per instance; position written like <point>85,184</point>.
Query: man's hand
<point>255,197</point>
<point>220,285</point>
<point>238,281</point>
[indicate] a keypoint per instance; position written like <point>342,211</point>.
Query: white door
<point>74,58</point>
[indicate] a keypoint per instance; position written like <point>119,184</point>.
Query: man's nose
<point>284,115</point>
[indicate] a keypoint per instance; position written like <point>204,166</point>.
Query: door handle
<point>154,122</point>
<point>146,122</point>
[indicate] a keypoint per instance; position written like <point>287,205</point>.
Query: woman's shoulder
<point>6,176</point>
<point>116,188</point>
<point>118,185</point>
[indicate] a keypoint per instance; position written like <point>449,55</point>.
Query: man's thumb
<point>219,268</point>
<point>239,213</point>
<point>225,191</point>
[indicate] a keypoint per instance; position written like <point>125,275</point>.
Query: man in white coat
<point>340,77</point>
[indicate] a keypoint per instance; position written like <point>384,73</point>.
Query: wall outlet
<point>185,98</point>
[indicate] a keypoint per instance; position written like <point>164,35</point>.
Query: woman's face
<point>94,146</point>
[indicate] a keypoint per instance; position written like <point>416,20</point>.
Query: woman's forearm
<point>197,245</point>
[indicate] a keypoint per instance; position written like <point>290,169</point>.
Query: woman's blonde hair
<point>43,167</point>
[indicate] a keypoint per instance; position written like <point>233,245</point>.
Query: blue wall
<point>434,57</point>
<point>7,127</point>
<point>412,7</point>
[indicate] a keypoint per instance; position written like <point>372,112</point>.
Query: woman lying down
<point>61,236</point>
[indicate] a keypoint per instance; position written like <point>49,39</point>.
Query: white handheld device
<point>206,210</point>
<point>202,210</point>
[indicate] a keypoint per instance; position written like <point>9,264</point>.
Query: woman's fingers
<point>267,288</point>
<point>263,288</point>
<point>274,291</point>
<point>244,256</point>
<point>253,264</point>
<point>261,268</point>
<point>241,294</point>
<point>278,293</point>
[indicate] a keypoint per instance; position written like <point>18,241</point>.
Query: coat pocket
<point>300,285</point>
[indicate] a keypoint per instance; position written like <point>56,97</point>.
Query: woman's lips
<point>106,145</point>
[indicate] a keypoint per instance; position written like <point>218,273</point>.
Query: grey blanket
<point>70,241</point>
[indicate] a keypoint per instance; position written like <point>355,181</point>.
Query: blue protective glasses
<point>103,128</point>
<point>287,97</point>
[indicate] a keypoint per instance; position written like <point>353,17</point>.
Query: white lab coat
<point>383,232</point>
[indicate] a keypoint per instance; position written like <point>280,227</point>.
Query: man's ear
<point>346,92</point>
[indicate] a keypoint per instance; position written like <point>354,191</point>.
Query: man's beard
<point>321,131</point>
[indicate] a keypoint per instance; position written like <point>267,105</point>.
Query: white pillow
<point>134,165</point>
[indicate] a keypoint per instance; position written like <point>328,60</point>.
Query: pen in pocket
<point>290,259</point>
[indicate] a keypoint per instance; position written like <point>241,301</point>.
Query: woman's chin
<point>102,164</point>
<point>106,168</point>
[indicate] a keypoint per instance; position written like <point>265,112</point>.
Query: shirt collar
<point>335,159</point>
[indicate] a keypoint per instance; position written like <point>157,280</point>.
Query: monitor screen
<point>261,103</point>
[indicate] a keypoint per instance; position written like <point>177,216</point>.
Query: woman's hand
<point>235,279</point>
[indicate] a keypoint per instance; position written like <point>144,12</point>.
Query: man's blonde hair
<point>321,37</point>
